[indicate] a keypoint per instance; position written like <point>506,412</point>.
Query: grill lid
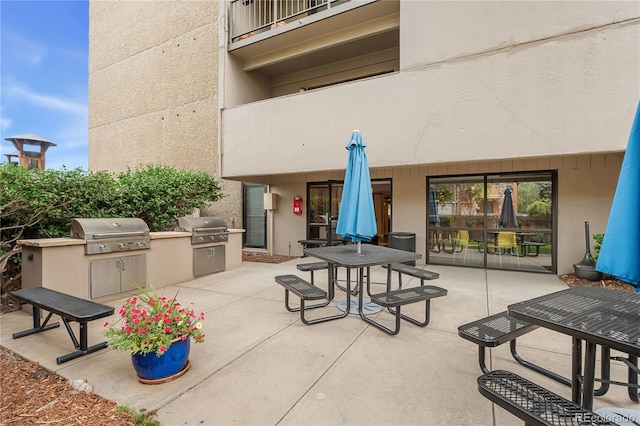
<point>104,228</point>
<point>202,224</point>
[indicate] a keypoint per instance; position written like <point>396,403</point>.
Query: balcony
<point>285,46</point>
<point>251,17</point>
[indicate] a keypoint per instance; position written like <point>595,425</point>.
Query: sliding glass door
<point>499,221</point>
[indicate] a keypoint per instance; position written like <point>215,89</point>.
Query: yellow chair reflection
<point>506,243</point>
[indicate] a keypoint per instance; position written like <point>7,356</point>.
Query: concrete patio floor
<point>261,366</point>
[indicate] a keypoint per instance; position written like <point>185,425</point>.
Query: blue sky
<point>44,77</point>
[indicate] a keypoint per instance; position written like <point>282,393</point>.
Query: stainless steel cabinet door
<point>114,275</point>
<point>133,268</point>
<point>104,277</point>
<point>207,260</point>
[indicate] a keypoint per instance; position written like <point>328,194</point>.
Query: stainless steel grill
<point>204,229</point>
<point>106,235</point>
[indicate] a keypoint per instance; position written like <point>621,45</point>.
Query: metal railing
<point>250,17</point>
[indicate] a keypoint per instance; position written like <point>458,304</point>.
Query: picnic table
<point>596,316</point>
<point>349,257</point>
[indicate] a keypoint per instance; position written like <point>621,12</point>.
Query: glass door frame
<point>483,223</point>
<point>247,222</point>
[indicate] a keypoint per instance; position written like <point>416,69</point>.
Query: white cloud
<point>31,52</point>
<point>4,123</point>
<point>19,93</point>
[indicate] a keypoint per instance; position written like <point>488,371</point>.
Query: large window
<point>504,221</point>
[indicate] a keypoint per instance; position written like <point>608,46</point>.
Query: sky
<point>44,74</point>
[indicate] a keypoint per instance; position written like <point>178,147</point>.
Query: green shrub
<point>540,208</point>
<point>41,203</point>
<point>598,239</point>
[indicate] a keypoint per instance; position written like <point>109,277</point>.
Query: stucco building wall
<point>153,97</point>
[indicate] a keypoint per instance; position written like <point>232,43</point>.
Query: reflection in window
<point>485,206</point>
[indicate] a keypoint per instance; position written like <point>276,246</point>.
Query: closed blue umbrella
<point>357,220</point>
<point>434,217</point>
<point>508,217</point>
<point>619,251</point>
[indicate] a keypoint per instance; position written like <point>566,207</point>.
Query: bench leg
<point>323,319</point>
<point>605,371</point>
<point>427,315</point>
<point>482,351</point>
<point>290,309</point>
<point>410,319</point>
<point>304,308</point>
<point>82,347</point>
<point>633,379</point>
<point>361,302</point>
<point>37,327</point>
<point>379,326</point>
<point>550,374</point>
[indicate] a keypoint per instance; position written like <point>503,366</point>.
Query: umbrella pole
<point>359,248</point>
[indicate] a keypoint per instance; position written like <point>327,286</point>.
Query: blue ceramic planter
<point>152,367</point>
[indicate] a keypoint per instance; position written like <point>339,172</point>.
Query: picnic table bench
<point>305,291</point>
<point>493,331</point>
<point>533,403</point>
<point>69,308</point>
<point>401,297</point>
<point>423,274</point>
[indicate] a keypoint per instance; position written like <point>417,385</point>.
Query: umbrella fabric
<point>434,217</point>
<point>357,221</point>
<point>619,251</point>
<point>508,217</point>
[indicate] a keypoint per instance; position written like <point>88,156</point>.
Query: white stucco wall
<point>566,85</point>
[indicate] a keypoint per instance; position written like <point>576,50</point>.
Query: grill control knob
<point>121,245</point>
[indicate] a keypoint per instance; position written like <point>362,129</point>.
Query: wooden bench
<point>500,328</point>
<point>401,297</point>
<point>305,291</point>
<point>423,274</point>
<point>532,403</point>
<point>69,308</point>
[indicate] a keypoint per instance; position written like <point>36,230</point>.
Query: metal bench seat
<point>311,267</point>
<point>500,328</point>
<point>305,291</point>
<point>423,274</point>
<point>401,297</point>
<point>69,308</point>
<point>534,404</point>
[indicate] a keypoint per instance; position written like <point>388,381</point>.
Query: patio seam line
<point>358,336</point>
<point>162,404</point>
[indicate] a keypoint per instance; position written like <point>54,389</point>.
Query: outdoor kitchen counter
<point>62,265</point>
<point>51,242</point>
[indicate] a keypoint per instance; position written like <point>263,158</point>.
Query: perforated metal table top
<point>371,255</point>
<point>600,315</point>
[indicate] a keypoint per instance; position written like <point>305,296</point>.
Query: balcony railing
<point>250,17</point>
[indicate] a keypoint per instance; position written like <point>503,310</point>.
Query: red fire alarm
<point>297,205</point>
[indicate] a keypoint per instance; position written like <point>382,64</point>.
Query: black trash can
<point>403,241</point>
